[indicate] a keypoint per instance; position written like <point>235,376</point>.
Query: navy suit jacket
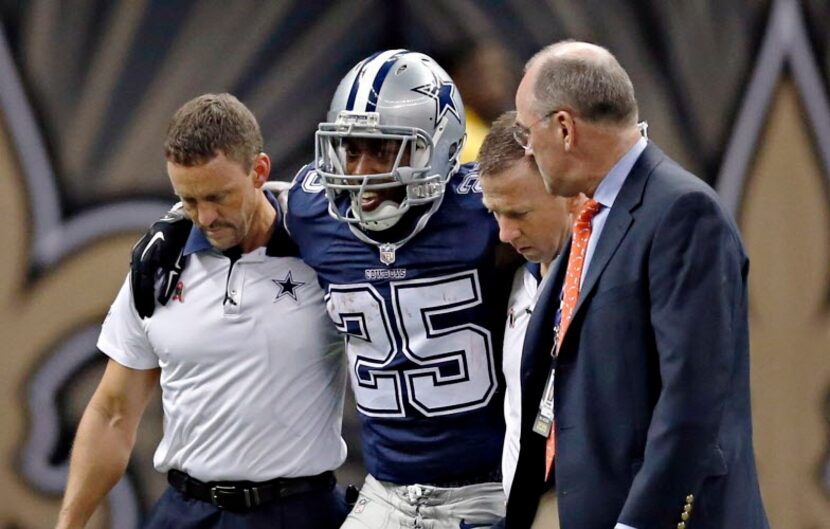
<point>652,379</point>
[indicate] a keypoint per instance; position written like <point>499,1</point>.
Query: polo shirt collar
<point>279,245</point>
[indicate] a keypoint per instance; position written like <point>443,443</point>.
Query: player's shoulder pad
<point>465,186</point>
<point>307,180</point>
<point>306,197</point>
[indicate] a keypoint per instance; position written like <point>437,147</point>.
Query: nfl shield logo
<point>387,254</point>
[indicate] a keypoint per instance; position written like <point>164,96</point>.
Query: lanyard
<point>544,417</point>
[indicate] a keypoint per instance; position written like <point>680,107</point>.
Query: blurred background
<point>736,91</point>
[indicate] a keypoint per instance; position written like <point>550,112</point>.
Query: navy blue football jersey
<point>423,334</point>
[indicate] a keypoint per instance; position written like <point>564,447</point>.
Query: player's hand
<point>156,262</point>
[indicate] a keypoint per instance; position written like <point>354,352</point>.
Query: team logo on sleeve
<point>470,184</point>
<point>287,286</point>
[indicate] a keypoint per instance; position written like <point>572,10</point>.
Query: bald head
<point>585,78</point>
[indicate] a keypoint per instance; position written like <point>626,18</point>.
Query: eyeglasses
<point>522,134</point>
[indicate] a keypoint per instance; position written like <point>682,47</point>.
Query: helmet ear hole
<point>453,150</point>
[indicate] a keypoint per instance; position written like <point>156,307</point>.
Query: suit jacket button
<point>687,508</point>
<point>681,525</point>
<point>690,499</point>
<point>684,516</point>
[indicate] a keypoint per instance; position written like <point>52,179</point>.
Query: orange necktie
<point>570,295</point>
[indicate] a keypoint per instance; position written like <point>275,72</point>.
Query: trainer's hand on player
<point>156,262</point>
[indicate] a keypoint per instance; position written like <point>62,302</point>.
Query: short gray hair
<point>593,85</point>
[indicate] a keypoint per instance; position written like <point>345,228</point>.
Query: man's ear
<point>566,126</point>
<point>261,169</point>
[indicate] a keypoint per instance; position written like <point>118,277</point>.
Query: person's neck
<point>544,266</point>
<point>262,225</point>
<point>605,152</point>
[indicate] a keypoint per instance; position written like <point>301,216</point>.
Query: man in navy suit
<point>651,410</point>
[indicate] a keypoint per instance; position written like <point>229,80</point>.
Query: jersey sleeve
<point>285,196</point>
<point>123,337</point>
<point>306,198</point>
<point>465,188</point>
<point>307,216</point>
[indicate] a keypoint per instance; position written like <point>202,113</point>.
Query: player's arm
<point>105,439</point>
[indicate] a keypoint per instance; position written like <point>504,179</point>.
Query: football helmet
<point>404,97</point>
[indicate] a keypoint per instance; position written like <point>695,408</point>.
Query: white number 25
<point>452,368</point>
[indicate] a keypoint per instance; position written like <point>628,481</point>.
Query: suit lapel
<point>619,219</point>
<point>539,336</point>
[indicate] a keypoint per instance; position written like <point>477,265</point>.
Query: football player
<point>407,254</point>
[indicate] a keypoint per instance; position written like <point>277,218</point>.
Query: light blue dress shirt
<point>606,194</point>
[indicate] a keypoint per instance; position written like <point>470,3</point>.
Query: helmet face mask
<point>405,152</point>
<point>399,107</point>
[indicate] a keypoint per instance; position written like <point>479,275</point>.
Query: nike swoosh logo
<point>465,525</point>
<point>158,235</point>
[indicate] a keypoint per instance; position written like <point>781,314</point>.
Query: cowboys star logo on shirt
<point>287,286</point>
